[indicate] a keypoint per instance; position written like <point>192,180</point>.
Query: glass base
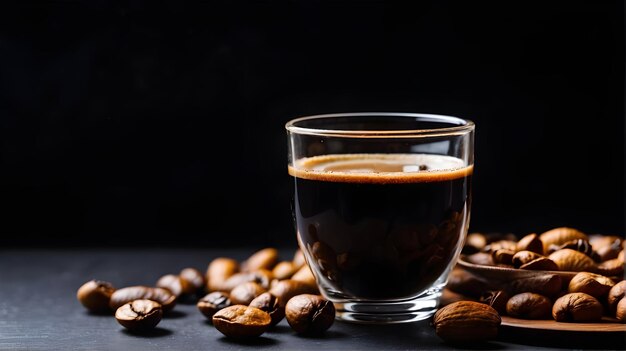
<point>380,312</point>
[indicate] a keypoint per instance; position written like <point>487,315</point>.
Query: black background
<point>128,123</point>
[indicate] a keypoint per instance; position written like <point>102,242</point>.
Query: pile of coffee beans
<point>242,299</point>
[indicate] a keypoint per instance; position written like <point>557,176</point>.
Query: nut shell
<point>595,285</point>
<point>559,236</point>
<point>466,322</point>
<point>577,307</point>
<point>572,260</point>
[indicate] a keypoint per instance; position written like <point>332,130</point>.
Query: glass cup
<point>381,206</point>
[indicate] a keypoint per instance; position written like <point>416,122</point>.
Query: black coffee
<point>377,226</point>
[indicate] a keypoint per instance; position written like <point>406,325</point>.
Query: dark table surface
<point>39,310</point>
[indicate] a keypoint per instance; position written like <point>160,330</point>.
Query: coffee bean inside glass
<point>381,206</point>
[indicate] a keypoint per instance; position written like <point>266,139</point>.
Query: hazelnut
<point>560,235</point>
<point>577,307</point>
<point>572,260</point>
<point>529,306</point>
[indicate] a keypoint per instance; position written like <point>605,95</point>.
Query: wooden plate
<point>507,274</point>
<point>607,325</point>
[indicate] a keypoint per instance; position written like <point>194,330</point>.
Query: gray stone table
<point>39,310</point>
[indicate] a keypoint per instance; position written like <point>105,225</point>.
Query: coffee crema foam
<point>380,168</point>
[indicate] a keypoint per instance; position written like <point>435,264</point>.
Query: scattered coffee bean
<point>213,302</point>
<point>192,281</point>
<point>95,295</point>
<point>309,314</point>
<point>139,315</point>
<point>138,292</point>
<point>288,288</point>
<point>270,304</point>
<point>172,283</point>
<point>244,293</point>
<point>239,321</point>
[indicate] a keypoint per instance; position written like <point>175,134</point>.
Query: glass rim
<point>460,126</point>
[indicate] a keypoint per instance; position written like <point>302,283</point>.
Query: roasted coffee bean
<point>95,295</point>
<point>309,314</point>
<point>270,304</point>
<point>239,321</point>
<point>262,259</point>
<point>244,293</point>
<point>139,315</point>
<point>284,270</point>
<point>286,289</point>
<point>172,283</point>
<point>192,281</point>
<point>219,270</point>
<point>305,276</point>
<point>262,276</point>
<point>298,259</point>
<point>580,245</point>
<point>213,302</point>
<point>139,292</point>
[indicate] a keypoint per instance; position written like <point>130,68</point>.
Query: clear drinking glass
<point>381,205</point>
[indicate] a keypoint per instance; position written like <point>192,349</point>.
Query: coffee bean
<point>239,321</point>
<point>95,295</point>
<point>138,292</point>
<point>270,304</point>
<point>286,289</point>
<point>139,315</point>
<point>213,302</point>
<point>219,270</point>
<point>309,314</point>
<point>172,283</point>
<point>192,281</point>
<point>284,270</point>
<point>244,293</point>
<point>262,259</point>
<point>262,276</point>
